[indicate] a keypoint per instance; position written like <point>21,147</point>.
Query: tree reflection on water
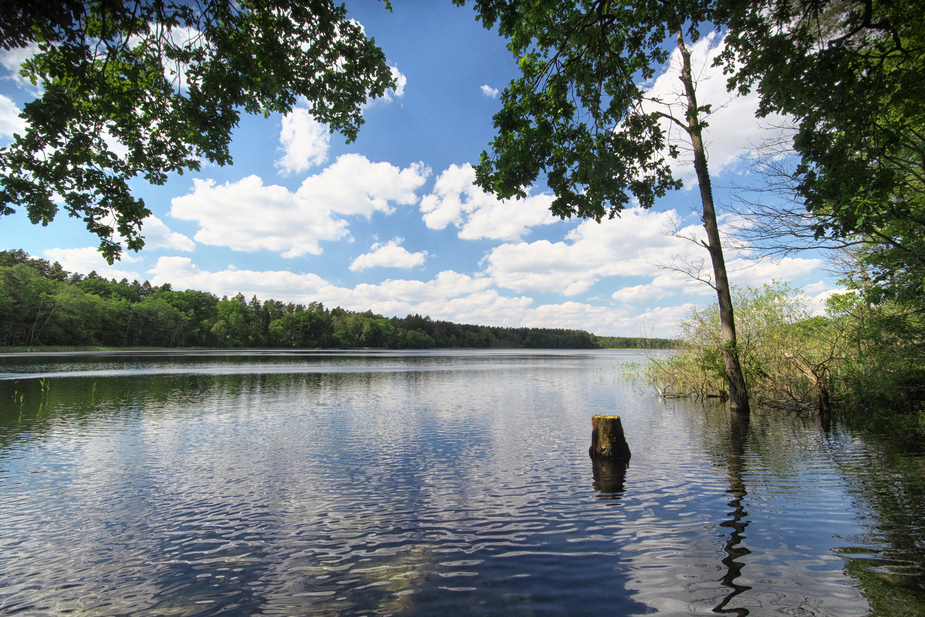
<point>734,548</point>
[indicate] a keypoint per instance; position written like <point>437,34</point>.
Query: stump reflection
<point>609,478</point>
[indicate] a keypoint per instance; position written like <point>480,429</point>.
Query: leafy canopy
<point>150,87</point>
<point>575,114</point>
<point>852,75</point>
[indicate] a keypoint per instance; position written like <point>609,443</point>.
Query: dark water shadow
<point>734,549</point>
<point>609,478</point>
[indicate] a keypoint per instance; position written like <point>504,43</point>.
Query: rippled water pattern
<point>428,484</point>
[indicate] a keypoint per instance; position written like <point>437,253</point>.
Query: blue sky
<point>392,221</point>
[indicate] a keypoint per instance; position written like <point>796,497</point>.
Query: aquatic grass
<point>45,386</point>
<point>635,368</point>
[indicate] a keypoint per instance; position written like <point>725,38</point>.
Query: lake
<point>432,483</point>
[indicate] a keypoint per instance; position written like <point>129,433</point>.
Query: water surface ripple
<point>430,484</point>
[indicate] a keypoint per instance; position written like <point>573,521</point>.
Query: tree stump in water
<point>607,440</point>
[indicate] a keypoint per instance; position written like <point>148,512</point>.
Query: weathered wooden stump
<point>607,440</point>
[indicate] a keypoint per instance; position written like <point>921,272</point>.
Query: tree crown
<point>151,87</point>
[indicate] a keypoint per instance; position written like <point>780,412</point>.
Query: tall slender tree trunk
<point>738,395</point>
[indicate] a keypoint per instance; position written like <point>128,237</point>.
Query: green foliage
<point>41,305</point>
<point>788,355</point>
<point>884,374</point>
<point>852,75</point>
<point>417,339</point>
<point>305,328</point>
<point>575,112</point>
<point>152,87</point>
<point>868,359</point>
<point>630,342</point>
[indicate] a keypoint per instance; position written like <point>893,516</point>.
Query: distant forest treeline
<point>43,305</point>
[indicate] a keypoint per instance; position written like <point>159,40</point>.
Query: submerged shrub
<point>884,374</point>
<point>788,354</point>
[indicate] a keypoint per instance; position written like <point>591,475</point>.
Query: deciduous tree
<point>851,74</point>
<point>145,88</point>
<point>578,115</point>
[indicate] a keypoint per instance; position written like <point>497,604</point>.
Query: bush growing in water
<point>883,373</point>
<point>788,355</point>
<point>863,357</point>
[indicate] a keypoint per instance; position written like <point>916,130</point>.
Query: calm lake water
<point>431,483</point>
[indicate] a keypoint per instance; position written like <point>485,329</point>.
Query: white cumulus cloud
<point>732,132</point>
<point>304,140</point>
<point>10,122</point>
<point>249,216</point>
<point>668,284</point>
<point>638,245</point>
<point>456,200</point>
<point>399,90</point>
<point>88,259</point>
<point>489,91</point>
<point>606,320</point>
<point>626,246</point>
<point>748,273</point>
<point>388,255</point>
<point>182,273</point>
<point>447,284</point>
<point>639,294</point>
<point>355,186</point>
<point>158,236</point>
